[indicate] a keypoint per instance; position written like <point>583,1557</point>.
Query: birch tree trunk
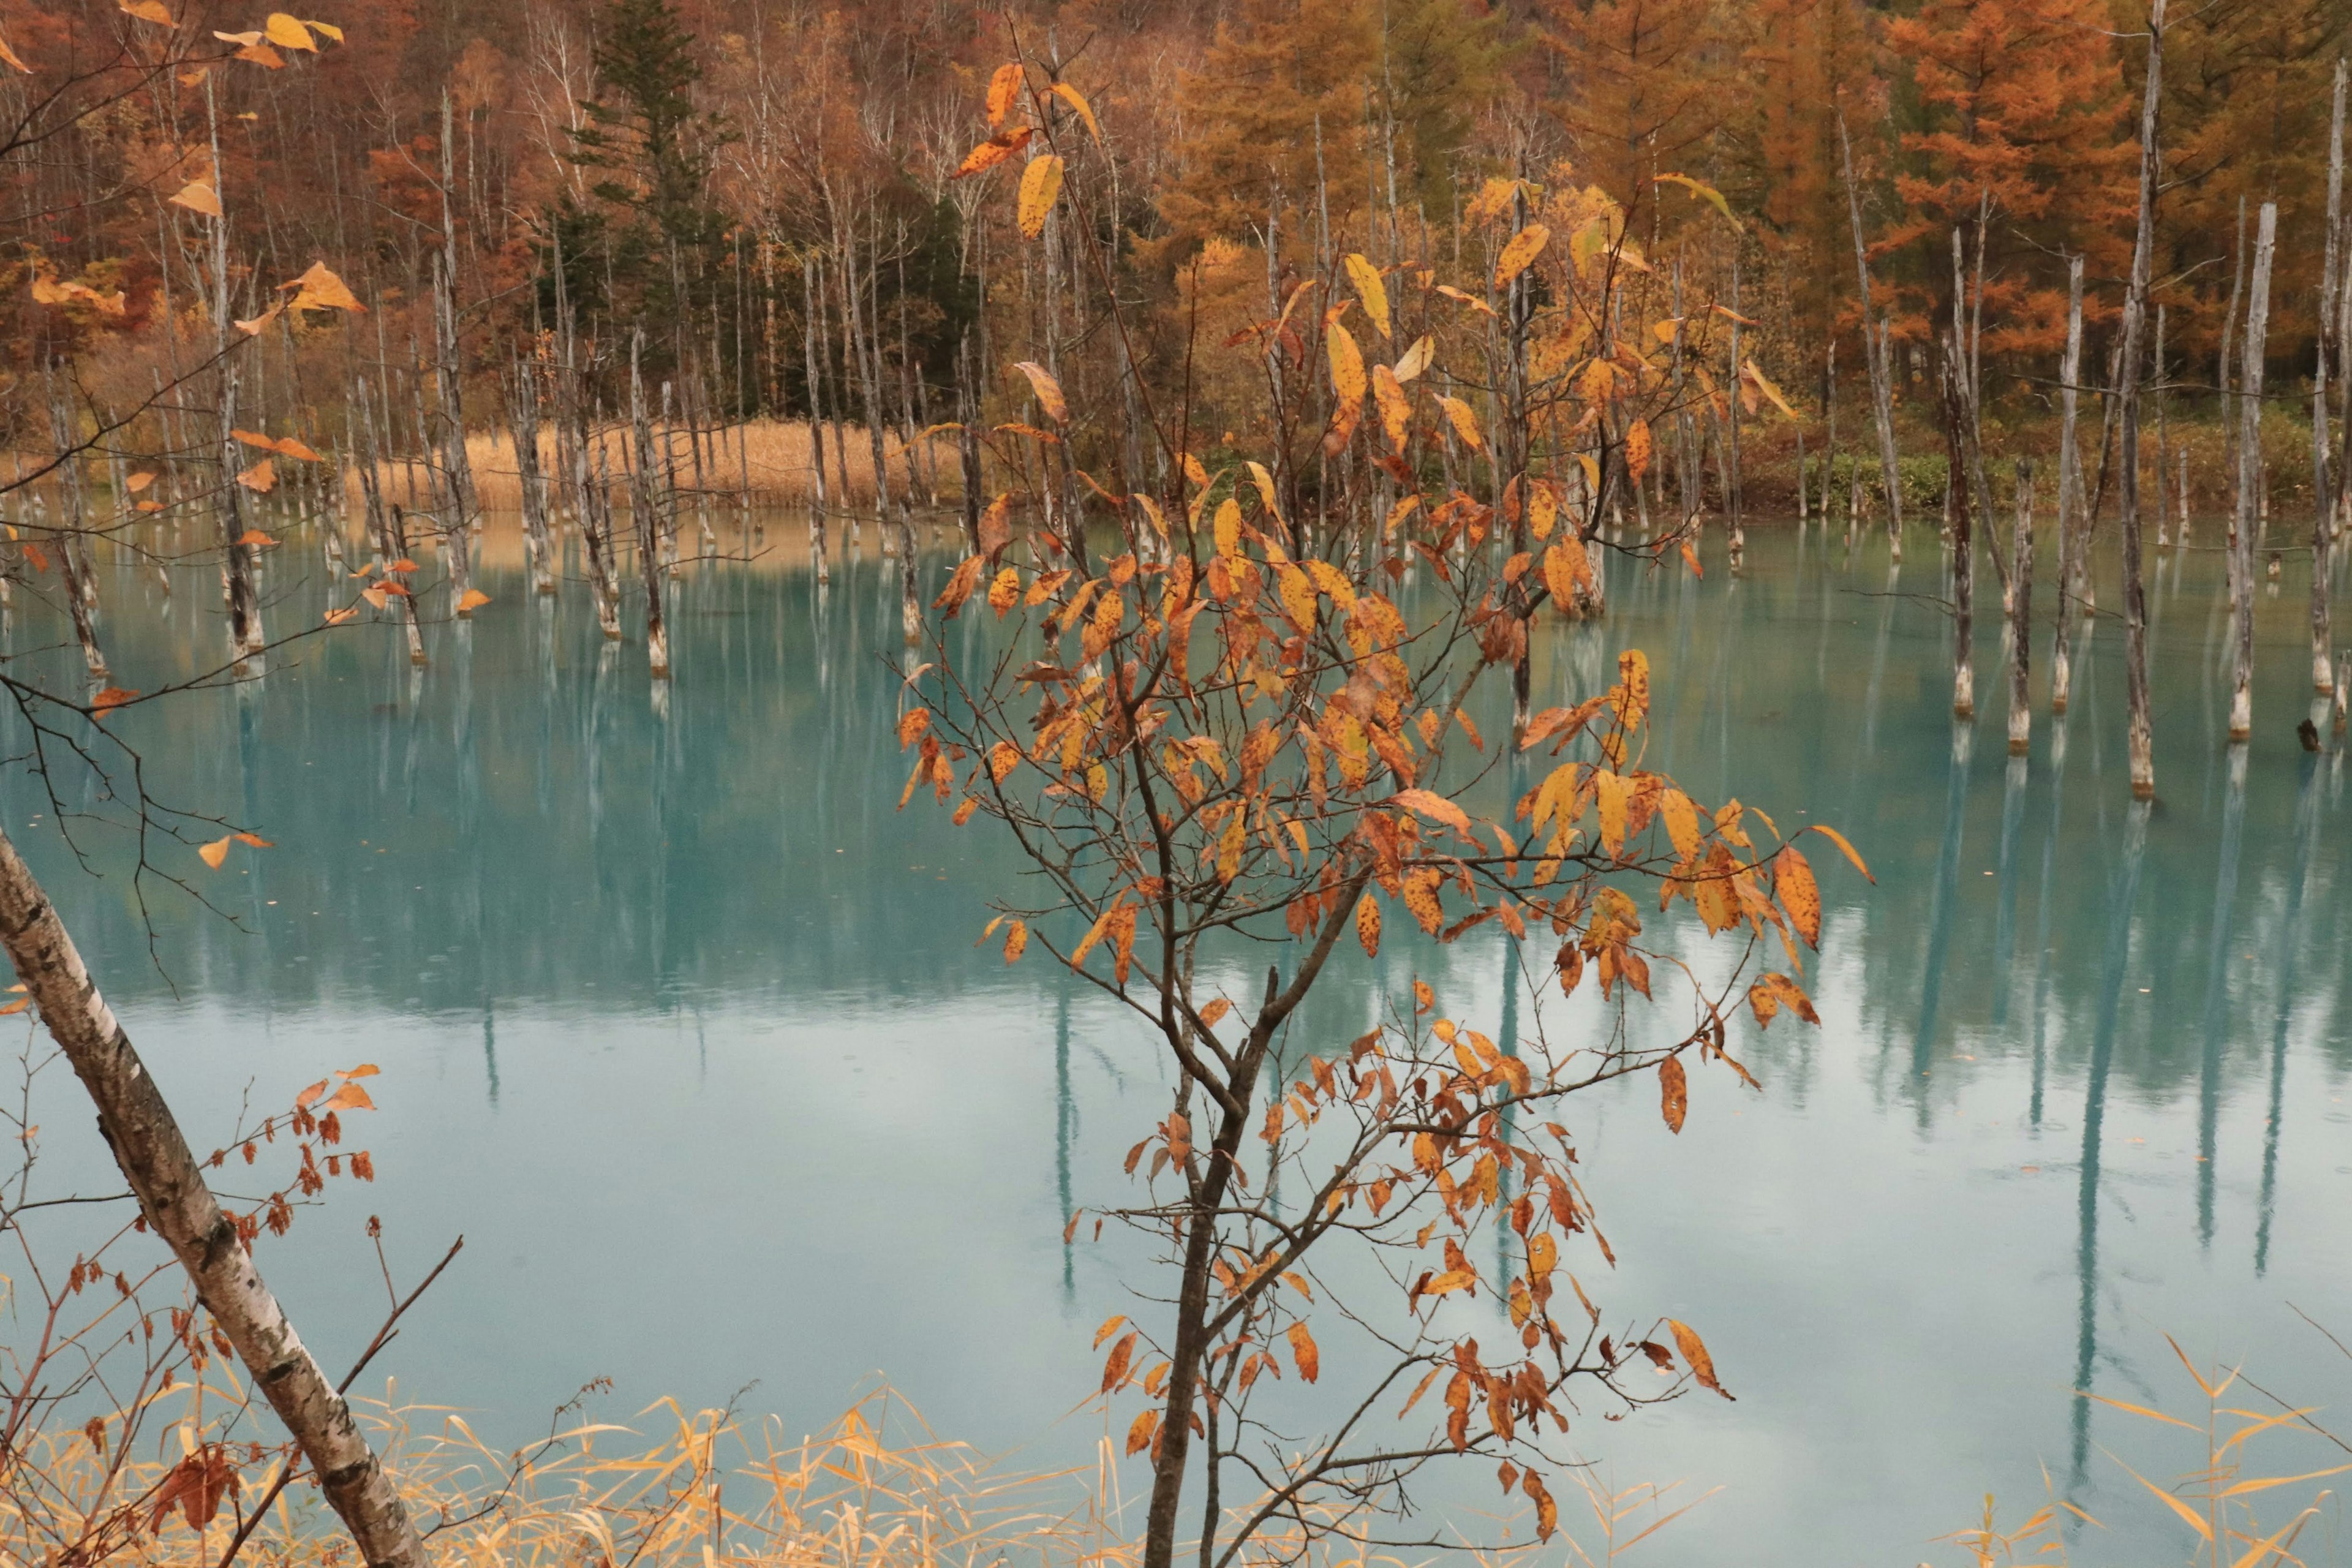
<point>2250,473</point>
<point>162,1171</point>
<point>2139,734</point>
<point>523,425</point>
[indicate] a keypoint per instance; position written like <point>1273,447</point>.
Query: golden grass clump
<point>776,452</point>
<point>876,1489</point>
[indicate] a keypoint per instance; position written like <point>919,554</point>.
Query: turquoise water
<point>682,1027</point>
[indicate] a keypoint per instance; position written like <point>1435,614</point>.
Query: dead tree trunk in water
<point>2020,615</point>
<point>523,425</point>
<point>2324,491</point>
<point>2069,494</point>
<point>1964,675</point>
<point>2250,473</point>
<point>67,540</point>
<point>644,509</point>
<point>154,1157</point>
<point>2139,734</point>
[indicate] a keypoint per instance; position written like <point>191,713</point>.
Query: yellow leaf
<point>338,615</point>
<point>319,289</point>
<point>1367,926</point>
<point>1048,390</point>
<point>289,446</point>
<point>1017,940</point>
<point>325,29</point>
<point>472,599</point>
<point>9,55</point>
<point>1396,408</point>
<point>1004,91</point>
<point>351,1097</point>
<point>1694,1350</point>
<point>1523,248</point>
<point>1347,365</point>
<point>1040,186</point>
<point>1793,880</point>
<point>246,39</point>
<point>1701,190</point>
<point>260,479</point>
<point>252,329</point>
<point>1466,423</point>
<point>214,853</point>
<point>1637,450</point>
<point>1076,100</point>
<point>1437,808</point>
<point>1417,358</point>
<point>262,54</point>
<point>146,10</point>
<point>1763,384</point>
<point>1371,291</point>
<point>1227,527</point>
<point>1566,569</point>
<point>1452,1280</point>
<point>138,482</point>
<point>1834,837</point>
<point>198,196</point>
<point>289,34</point>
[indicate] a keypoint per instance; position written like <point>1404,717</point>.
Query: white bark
<point>162,1171</point>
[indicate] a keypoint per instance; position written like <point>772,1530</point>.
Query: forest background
<point>772,190</point>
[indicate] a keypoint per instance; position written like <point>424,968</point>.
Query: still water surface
<point>682,1027</point>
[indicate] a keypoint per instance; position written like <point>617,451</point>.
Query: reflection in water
<point>2043,969</point>
<point>2125,892</point>
<point>2291,937</point>
<point>2217,991</point>
<point>691,979</point>
<point>1942,911</point>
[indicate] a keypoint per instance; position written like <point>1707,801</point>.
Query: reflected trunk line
<point>1065,1130</point>
<point>2046,904</point>
<point>1941,919</point>
<point>2217,991</point>
<point>2004,939</point>
<point>2095,1112</point>
<point>2307,823</point>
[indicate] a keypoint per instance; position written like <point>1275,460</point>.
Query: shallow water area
<point>682,1025</point>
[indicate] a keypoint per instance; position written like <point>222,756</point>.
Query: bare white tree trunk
<point>2139,734</point>
<point>1882,391</point>
<point>2070,493</point>
<point>2020,615</point>
<point>2250,473</point>
<point>162,1171</point>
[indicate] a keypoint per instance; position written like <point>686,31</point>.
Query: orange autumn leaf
<point>214,853</point>
<point>1674,1092</point>
<point>260,479</point>
<point>1367,926</point>
<point>198,196</point>
<point>471,600</point>
<point>1694,1350</point>
<point>1302,1351</point>
<point>1048,390</point>
<point>112,697</point>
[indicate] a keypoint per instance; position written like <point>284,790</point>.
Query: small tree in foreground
<point>1247,732</point>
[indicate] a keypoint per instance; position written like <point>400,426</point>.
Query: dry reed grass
<point>775,452</point>
<point>877,1489</point>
